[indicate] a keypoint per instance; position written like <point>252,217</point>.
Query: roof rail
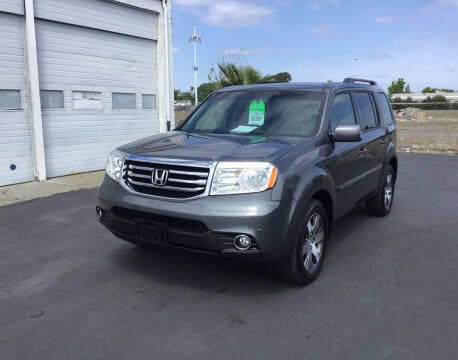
<point>352,81</point>
<point>269,82</point>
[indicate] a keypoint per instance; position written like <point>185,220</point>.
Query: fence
<point>426,105</point>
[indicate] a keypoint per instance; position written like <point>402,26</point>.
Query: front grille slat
<point>193,173</point>
<point>166,187</point>
<point>139,167</point>
<point>130,173</point>
<point>184,181</point>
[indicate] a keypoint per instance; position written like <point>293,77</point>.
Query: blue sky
<point>319,40</point>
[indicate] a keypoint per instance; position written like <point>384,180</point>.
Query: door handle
<point>362,151</point>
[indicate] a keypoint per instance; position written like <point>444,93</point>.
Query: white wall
<point>58,71</point>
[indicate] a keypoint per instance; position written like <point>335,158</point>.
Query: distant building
<point>452,97</point>
<point>79,78</point>
<point>183,103</point>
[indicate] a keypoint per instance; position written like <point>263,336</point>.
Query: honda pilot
<point>258,172</point>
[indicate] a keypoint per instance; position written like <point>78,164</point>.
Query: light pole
<point>195,38</point>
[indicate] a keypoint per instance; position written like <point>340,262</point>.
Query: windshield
<point>280,113</point>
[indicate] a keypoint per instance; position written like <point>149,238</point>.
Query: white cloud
<point>318,5</point>
<point>323,30</point>
<point>439,3</point>
<point>448,2</point>
<point>241,51</point>
<point>229,13</point>
<point>192,2</point>
<point>384,20</point>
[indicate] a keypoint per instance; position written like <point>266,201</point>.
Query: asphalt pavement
<point>389,287</point>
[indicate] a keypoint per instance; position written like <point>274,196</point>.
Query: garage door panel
<point>73,58</point>
<point>72,34</point>
<point>12,6</point>
<point>78,62</point>
<point>15,134</point>
<point>99,14</point>
<point>104,75</point>
<point>99,52</point>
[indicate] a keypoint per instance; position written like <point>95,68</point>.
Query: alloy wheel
<point>388,191</point>
<point>312,246</point>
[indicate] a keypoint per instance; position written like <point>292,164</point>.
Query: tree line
<point>229,74</point>
<point>400,86</point>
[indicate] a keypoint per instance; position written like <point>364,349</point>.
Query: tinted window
<point>259,113</point>
<point>123,101</point>
<point>366,111</point>
<point>10,99</point>
<point>385,109</point>
<point>342,111</point>
<point>52,99</point>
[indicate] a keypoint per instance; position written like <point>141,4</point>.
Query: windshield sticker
<point>243,129</point>
<point>257,113</point>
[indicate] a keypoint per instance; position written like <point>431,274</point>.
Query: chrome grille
<point>183,181</point>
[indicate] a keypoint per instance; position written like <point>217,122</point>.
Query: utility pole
<point>195,38</point>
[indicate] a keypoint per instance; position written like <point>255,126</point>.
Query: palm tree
<point>232,74</point>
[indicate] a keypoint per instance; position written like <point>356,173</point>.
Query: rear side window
<point>366,111</point>
<point>385,109</point>
<point>342,112</point>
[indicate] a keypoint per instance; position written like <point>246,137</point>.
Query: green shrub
<point>435,99</point>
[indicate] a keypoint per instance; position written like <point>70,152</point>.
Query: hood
<point>212,147</point>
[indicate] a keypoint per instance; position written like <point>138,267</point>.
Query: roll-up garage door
<point>15,132</point>
<point>98,87</point>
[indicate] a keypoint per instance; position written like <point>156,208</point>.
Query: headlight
<point>242,177</point>
<point>114,164</point>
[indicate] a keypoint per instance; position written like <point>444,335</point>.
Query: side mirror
<point>347,133</point>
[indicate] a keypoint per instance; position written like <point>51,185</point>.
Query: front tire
<point>380,204</point>
<point>306,259</point>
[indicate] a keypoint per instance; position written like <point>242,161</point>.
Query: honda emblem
<point>159,177</point>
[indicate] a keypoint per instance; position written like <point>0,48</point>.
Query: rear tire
<point>380,204</point>
<point>304,264</point>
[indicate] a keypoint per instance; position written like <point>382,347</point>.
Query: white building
<point>77,79</point>
<point>452,97</point>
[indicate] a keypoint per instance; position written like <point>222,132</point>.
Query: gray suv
<point>258,172</point>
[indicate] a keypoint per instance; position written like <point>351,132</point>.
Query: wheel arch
<point>319,188</point>
<point>325,198</point>
<point>394,163</point>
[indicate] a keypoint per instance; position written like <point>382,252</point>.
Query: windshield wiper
<point>195,134</point>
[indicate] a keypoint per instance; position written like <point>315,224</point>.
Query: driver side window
<point>342,112</point>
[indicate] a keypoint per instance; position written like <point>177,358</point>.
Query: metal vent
<point>167,180</point>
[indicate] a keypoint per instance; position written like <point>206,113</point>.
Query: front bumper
<point>206,224</point>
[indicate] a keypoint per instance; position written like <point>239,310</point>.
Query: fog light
<point>100,215</point>
<point>242,242</point>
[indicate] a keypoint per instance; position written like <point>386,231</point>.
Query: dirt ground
<point>180,116</point>
<point>428,131</point>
